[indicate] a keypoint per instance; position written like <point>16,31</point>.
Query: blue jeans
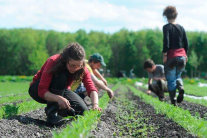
<point>173,70</point>
<point>81,90</point>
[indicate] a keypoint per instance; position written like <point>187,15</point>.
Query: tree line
<point>23,51</point>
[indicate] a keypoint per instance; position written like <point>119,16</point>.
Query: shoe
<point>180,96</point>
<point>173,102</point>
<point>54,119</point>
<point>161,99</point>
<point>66,112</point>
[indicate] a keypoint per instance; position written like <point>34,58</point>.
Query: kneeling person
<point>95,62</point>
<point>156,81</point>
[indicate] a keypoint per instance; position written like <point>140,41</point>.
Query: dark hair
<point>73,51</point>
<point>93,60</point>
<point>170,12</point>
<point>148,63</point>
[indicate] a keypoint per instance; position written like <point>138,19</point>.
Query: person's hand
<point>104,81</point>
<point>164,59</point>
<point>110,93</point>
<point>96,107</point>
<point>63,103</point>
<point>186,59</point>
<point>148,92</point>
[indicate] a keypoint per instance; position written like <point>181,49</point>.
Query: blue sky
<point>100,15</point>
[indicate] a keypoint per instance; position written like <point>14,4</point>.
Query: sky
<point>108,16</point>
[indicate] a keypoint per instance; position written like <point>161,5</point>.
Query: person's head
<point>72,59</point>
<point>170,13</point>
<point>96,61</point>
<point>149,65</point>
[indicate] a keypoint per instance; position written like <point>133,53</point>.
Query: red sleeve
<point>45,79</point>
<point>88,83</point>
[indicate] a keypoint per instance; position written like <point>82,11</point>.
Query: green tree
<point>194,62</point>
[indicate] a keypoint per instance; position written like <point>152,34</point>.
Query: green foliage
<point>24,51</point>
<point>16,109</point>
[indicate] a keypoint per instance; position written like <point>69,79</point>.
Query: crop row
<point>195,125</point>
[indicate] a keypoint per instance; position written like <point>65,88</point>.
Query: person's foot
<point>161,95</point>
<point>161,99</point>
<point>174,102</point>
<point>180,96</point>
<point>54,119</point>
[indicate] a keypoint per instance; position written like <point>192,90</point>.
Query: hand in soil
<point>110,93</point>
<point>96,107</point>
<point>63,103</point>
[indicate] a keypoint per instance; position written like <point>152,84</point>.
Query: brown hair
<point>148,63</point>
<point>73,51</point>
<point>170,12</point>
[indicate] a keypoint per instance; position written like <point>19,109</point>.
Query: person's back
<point>175,48</point>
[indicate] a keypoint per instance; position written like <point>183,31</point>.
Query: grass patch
<point>11,88</point>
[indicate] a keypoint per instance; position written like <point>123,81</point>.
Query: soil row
<point>156,125</point>
<point>195,109</point>
<point>33,124</point>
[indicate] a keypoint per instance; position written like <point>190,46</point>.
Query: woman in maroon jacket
<point>51,84</point>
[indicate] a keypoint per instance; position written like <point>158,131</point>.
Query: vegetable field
<point>132,113</point>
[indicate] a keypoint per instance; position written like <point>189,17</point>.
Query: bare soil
<point>164,127</point>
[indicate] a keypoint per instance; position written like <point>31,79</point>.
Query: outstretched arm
<point>101,85</point>
<point>98,75</point>
<point>94,100</point>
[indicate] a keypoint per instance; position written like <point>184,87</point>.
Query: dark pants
<point>58,86</point>
<point>158,87</point>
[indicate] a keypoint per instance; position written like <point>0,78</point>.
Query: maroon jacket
<point>46,78</point>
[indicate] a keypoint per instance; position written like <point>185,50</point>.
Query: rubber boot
<point>181,92</point>
<point>52,116</point>
<point>172,97</point>
<point>160,84</point>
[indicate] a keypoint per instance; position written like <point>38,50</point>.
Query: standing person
<point>51,84</point>
<point>95,62</point>
<point>175,48</point>
<point>156,78</point>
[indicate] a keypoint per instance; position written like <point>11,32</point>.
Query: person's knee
<point>81,109</point>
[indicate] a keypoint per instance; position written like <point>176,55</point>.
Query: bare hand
<point>148,92</point>
<point>96,107</point>
<point>110,93</point>
<point>63,103</point>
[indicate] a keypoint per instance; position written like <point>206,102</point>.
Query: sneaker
<point>54,119</point>
<point>180,96</point>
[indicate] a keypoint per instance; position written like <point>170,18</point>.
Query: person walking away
<point>175,48</point>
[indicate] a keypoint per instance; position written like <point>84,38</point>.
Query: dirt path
<point>161,125</point>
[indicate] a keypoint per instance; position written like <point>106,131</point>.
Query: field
<point>132,113</point>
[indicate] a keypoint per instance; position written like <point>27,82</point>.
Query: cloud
<point>100,15</point>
